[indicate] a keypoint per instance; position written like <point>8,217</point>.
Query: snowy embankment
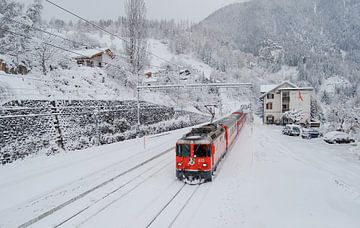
<point>267,180</point>
<point>80,83</point>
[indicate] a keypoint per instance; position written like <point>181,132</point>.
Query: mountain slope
<point>321,37</point>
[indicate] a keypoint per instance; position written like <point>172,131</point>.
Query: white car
<point>338,137</point>
<point>291,130</point>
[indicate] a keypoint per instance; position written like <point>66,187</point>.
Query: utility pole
<point>96,114</point>
<point>59,136</point>
<point>138,112</point>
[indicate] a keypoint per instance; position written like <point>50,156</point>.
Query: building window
<point>270,96</point>
<point>269,106</point>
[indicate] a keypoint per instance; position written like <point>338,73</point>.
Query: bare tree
<point>45,53</point>
<point>135,33</point>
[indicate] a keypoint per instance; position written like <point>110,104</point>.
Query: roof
<point>266,88</point>
<point>298,88</point>
<point>292,85</point>
<point>88,53</point>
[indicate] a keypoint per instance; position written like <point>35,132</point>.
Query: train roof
<point>230,120</point>
<point>203,135</point>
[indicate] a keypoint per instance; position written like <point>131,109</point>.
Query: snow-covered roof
<point>89,53</point>
<point>291,85</point>
<point>297,88</point>
<point>267,88</point>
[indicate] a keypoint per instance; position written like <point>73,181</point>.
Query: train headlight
<point>179,164</point>
<point>204,165</point>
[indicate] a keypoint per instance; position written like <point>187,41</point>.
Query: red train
<point>199,152</point>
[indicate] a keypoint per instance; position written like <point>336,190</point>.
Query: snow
<point>150,80</point>
<point>161,50</point>
<point>337,135</point>
<point>266,180</point>
<point>80,83</point>
<point>267,88</point>
<point>87,52</point>
<point>332,83</point>
<point>7,59</point>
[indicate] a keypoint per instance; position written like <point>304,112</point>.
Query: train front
<point>194,159</point>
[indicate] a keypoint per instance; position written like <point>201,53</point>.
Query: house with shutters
<point>279,101</point>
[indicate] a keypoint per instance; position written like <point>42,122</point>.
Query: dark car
<point>310,134</point>
<point>291,130</point>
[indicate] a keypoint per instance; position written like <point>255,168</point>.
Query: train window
<point>183,150</point>
<point>202,150</point>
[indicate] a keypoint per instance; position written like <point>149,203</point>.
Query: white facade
<point>284,98</point>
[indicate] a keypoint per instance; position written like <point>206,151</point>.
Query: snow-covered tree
<point>135,34</point>
<point>45,53</point>
<point>293,116</point>
<point>34,12</point>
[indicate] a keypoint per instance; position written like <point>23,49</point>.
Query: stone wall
<point>40,126</point>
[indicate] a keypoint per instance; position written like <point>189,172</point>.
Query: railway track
<point>172,199</point>
<point>121,196</point>
<point>68,202</point>
<point>52,169</point>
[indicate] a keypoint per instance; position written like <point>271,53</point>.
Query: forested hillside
<point>319,38</point>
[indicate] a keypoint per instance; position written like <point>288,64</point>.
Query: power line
<point>58,36</point>
<point>58,47</point>
<point>106,31</point>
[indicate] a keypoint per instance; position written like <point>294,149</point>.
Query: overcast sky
<point>192,10</point>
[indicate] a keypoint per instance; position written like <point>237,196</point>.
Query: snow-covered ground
<point>267,180</point>
<point>160,49</point>
<point>80,83</point>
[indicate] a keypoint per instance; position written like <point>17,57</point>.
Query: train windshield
<point>183,150</point>
<point>202,150</point>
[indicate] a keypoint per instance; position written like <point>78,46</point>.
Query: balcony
<point>286,99</point>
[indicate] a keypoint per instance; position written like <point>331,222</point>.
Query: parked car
<point>338,137</point>
<point>310,133</point>
<point>291,130</point>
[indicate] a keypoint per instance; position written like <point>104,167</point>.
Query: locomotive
<point>199,152</point>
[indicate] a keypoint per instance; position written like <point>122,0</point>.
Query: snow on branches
<point>293,116</point>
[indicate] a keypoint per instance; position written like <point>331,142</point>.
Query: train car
<point>199,152</point>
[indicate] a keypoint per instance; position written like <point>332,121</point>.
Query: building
<point>283,99</point>
<point>93,57</point>
<point>3,66</point>
<point>8,65</point>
